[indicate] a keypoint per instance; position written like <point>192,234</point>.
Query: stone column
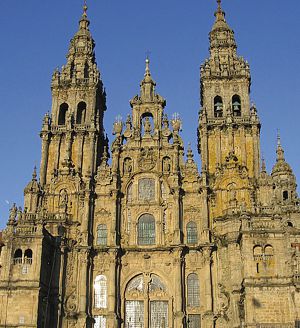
<point>243,146</point>
<point>83,283</point>
<point>92,152</point>
<point>44,158</point>
<point>218,146</point>
<point>112,290</point>
<point>68,145</point>
<point>80,139</point>
<point>57,141</point>
<point>204,150</point>
<point>208,315</point>
<point>178,289</point>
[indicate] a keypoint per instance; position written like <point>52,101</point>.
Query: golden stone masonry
<point>148,241</point>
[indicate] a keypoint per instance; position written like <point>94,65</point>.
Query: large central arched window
<point>146,230</point>
<point>146,303</point>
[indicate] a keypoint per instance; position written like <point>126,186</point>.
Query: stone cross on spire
<point>85,8</point>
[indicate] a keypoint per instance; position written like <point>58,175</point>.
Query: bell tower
<point>228,123</point>
<point>72,135</point>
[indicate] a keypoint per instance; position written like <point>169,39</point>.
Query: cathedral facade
<point>131,233</point>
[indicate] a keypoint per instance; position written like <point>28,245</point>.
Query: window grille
<point>102,235</point>
<point>100,292</point>
<point>297,324</point>
<point>159,314</point>
<point>146,230</point>
<point>193,292</point>
<point>192,233</point>
<point>194,321</point>
<point>136,283</point>
<point>146,189</point>
<point>156,284</point>
<point>100,321</point>
<point>134,314</point>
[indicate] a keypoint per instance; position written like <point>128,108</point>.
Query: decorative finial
<point>278,138</point>
<point>220,14</point>
<point>85,8</point>
<point>147,70</point>
<point>34,175</point>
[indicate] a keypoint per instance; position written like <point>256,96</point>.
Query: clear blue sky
<point>35,37</point>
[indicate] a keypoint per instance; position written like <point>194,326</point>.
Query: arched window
<point>28,256</point>
<point>18,256</point>
<point>218,106</point>
<point>146,230</point>
<point>141,292</point>
<point>236,105</point>
<point>285,195</point>
<point>192,233</point>
<point>81,112</point>
<point>62,114</point>
<point>193,291</point>
<point>100,292</point>
<point>102,235</point>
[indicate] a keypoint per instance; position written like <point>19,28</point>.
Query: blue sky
<point>35,38</point>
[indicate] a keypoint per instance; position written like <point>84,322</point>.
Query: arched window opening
<point>285,195</point>
<point>264,259</point>
<point>102,235</point>
<point>290,224</point>
<point>141,292</point>
<point>62,114</point>
<point>18,256</point>
<point>28,257</point>
<point>218,106</point>
<point>146,230</point>
<point>86,71</point>
<point>100,321</point>
<point>192,233</point>
<point>236,105</point>
<point>81,113</point>
<point>193,290</point>
<point>100,292</point>
<point>269,252</point>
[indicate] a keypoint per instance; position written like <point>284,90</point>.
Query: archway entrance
<point>147,304</point>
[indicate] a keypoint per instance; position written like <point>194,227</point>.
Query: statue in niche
<point>63,199</point>
<point>166,165</point>
<point>127,165</point>
<point>147,125</point>
<point>146,189</point>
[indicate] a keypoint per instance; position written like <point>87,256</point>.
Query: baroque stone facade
<point>146,239</point>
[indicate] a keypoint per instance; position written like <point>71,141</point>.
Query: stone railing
<point>26,230</point>
<point>276,325</point>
